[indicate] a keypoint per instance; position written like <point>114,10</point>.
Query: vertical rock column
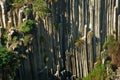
<point>115,23</point>
<point>90,40</point>
<point>2,4</point>
<point>119,27</point>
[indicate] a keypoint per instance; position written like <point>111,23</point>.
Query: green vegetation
<point>4,38</point>
<point>40,7</point>
<point>111,55</point>
<point>98,73</point>
<point>17,3</point>
<point>9,61</point>
<point>27,39</point>
<point>109,44</point>
<point>46,59</point>
<point>15,38</point>
<point>112,47</point>
<point>27,11</point>
<point>27,26</point>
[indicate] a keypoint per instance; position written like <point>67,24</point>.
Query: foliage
<point>112,47</point>
<point>110,72</point>
<point>4,37</point>
<point>8,58</point>
<point>27,39</point>
<point>17,3</point>
<point>98,73</point>
<point>27,26</point>
<point>53,1</point>
<point>46,59</point>
<point>110,43</point>
<point>40,7</point>
<point>27,11</point>
<point>15,38</point>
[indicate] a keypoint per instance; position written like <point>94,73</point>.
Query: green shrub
<point>110,43</point>
<point>27,26</point>
<point>27,39</point>
<point>17,3</point>
<point>27,11</point>
<point>5,56</point>
<point>40,7</point>
<point>15,38</point>
<point>4,38</point>
<point>98,73</point>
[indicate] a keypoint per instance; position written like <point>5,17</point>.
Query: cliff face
<point>70,38</point>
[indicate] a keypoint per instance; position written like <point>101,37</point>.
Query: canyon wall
<point>70,38</point>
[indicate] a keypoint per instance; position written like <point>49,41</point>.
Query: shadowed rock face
<point>85,23</point>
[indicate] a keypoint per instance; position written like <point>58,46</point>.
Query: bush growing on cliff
<point>40,8</point>
<point>110,43</point>
<point>17,3</point>
<point>27,26</point>
<point>98,73</point>
<point>9,61</point>
<point>113,48</point>
<point>27,39</point>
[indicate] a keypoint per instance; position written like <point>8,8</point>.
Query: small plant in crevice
<point>27,26</point>
<point>46,59</point>
<point>27,39</point>
<point>4,38</point>
<point>27,11</point>
<point>15,38</point>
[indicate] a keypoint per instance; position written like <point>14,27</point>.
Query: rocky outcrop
<point>85,22</point>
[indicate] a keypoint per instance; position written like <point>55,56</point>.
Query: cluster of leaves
<point>40,7</point>
<point>98,73</point>
<point>109,44</point>
<point>5,56</point>
<point>27,11</point>
<point>112,46</point>
<point>27,39</point>
<point>27,26</point>
<point>9,61</point>
<point>110,72</point>
<point>17,3</point>
<point>4,38</point>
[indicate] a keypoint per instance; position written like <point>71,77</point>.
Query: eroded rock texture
<point>89,21</point>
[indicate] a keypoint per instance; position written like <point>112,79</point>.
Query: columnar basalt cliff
<point>69,38</point>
